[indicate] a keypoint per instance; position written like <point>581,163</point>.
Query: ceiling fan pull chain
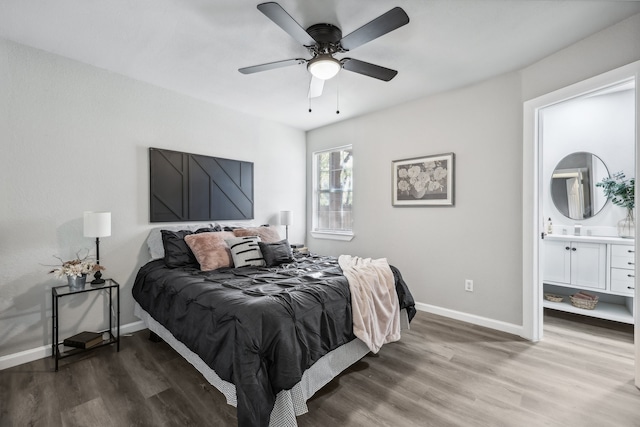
<point>309,104</point>
<point>338,94</point>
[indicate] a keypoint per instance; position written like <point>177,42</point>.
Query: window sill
<point>345,237</point>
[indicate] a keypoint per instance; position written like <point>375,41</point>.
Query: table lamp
<point>286,219</point>
<point>97,224</point>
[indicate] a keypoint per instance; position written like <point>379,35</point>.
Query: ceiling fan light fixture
<point>324,67</point>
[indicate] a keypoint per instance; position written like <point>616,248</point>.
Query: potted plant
<point>76,271</point>
<point>621,192</point>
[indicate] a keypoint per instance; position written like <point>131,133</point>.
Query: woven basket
<point>584,303</point>
<point>553,297</point>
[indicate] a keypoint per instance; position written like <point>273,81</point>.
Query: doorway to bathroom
<point>587,145</point>
<point>571,136</point>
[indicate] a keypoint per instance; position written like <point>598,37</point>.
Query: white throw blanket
<point>374,302</point>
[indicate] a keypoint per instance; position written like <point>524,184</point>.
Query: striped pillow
<point>245,251</point>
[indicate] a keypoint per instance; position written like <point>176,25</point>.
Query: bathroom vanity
<point>600,265</point>
<point>583,251</point>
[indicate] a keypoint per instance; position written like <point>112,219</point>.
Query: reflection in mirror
<point>573,185</point>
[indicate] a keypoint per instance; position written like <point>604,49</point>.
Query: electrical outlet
<point>468,285</point>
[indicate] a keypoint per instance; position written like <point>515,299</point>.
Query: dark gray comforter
<point>258,328</point>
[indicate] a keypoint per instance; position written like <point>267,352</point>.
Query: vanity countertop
<point>591,239</point>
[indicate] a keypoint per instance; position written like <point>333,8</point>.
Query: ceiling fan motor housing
<point>328,38</point>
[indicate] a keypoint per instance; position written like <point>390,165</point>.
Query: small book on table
<point>84,340</point>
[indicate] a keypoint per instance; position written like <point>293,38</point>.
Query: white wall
<point>76,138</point>
<point>437,248</point>
<point>606,50</point>
<point>481,237</point>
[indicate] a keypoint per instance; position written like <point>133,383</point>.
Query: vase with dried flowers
<point>76,271</point>
<point>621,192</point>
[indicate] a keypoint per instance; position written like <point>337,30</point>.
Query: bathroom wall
<point>602,124</point>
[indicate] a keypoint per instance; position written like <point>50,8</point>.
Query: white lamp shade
<point>286,218</point>
<point>97,224</point>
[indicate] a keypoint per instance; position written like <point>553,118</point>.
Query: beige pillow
<point>266,234</point>
<point>210,249</point>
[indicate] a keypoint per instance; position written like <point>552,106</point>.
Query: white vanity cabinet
<point>578,264</point>
<point>604,266</point>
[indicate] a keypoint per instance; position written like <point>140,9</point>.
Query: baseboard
<point>509,328</point>
<point>26,356</point>
<point>130,328</point>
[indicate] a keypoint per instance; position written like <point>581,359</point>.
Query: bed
<point>266,336</point>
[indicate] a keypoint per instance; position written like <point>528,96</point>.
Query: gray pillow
<point>176,251</point>
<point>154,241</point>
<point>276,253</point>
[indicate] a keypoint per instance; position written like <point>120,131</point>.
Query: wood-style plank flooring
<point>442,373</point>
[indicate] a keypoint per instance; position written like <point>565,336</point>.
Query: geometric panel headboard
<point>191,187</point>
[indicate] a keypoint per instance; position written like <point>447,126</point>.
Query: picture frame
<point>423,181</point>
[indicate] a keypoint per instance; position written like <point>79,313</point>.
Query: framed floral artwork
<point>423,181</point>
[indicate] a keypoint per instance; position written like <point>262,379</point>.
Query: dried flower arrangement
<point>76,267</point>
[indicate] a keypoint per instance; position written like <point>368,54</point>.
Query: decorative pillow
<point>276,253</point>
<point>176,251</point>
<point>266,234</point>
<point>245,251</point>
<point>210,249</point>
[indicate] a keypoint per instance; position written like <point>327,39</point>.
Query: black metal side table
<point>58,292</point>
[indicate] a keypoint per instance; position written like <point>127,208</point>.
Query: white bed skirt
<point>289,403</point>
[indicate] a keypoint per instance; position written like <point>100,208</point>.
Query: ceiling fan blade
<point>277,14</point>
<point>383,24</point>
<point>315,87</point>
<point>371,70</point>
<point>271,65</point>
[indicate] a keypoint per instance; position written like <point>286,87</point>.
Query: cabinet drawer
<point>622,281</point>
<point>622,256</point>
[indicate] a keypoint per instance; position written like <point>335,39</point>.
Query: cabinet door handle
<point>631,251</point>
<point>567,247</point>
<point>574,249</point>
<point>631,287</point>
<point>631,275</point>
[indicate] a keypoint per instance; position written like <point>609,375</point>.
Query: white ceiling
<point>195,47</point>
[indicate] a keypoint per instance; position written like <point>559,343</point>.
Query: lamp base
<point>98,280</point>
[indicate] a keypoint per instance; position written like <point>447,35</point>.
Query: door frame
<point>532,220</point>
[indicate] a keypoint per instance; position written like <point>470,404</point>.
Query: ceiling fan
<point>323,41</point>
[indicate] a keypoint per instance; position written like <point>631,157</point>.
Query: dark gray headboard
<point>192,187</point>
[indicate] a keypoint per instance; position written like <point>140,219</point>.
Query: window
<point>333,193</point>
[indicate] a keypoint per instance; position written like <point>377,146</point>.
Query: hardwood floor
<point>442,373</point>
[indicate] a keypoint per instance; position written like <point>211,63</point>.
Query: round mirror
<point>573,185</point>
